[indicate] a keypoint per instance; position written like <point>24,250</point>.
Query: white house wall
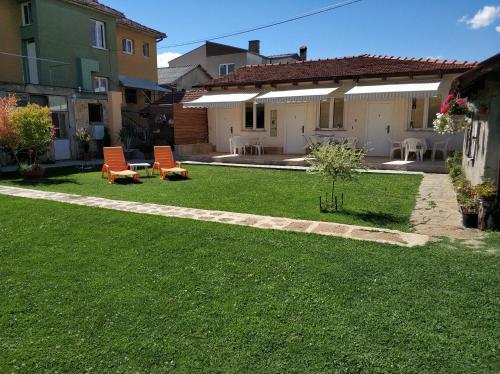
<point>355,117</point>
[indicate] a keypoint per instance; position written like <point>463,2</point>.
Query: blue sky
<point>412,28</point>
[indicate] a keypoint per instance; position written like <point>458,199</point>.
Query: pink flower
<point>461,102</point>
<point>449,98</point>
<point>444,107</point>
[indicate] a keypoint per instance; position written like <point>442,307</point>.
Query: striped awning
<point>390,91</point>
<point>296,96</point>
<point>220,100</point>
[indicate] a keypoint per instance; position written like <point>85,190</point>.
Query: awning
<point>143,84</point>
<point>390,91</point>
<point>220,100</point>
<point>294,96</point>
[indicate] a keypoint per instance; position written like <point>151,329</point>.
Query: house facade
<point>220,59</point>
<point>137,69</point>
<point>375,99</point>
<point>481,151</point>
<point>69,65</point>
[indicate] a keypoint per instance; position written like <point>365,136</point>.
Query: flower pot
<point>36,172</point>
<point>458,122</point>
<point>469,218</point>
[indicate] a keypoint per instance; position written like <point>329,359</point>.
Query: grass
<point>380,200</point>
<point>93,290</point>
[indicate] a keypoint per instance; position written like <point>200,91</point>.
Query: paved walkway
<point>243,219</point>
<point>436,212</point>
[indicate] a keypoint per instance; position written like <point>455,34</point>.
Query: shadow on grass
<point>44,182</point>
<point>376,218</point>
<point>177,178</point>
<point>126,181</point>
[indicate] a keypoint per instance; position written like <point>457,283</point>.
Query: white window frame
<point>99,28</point>
<point>26,12</point>
<point>102,84</point>
<point>330,115</point>
<point>424,119</point>
<point>254,118</point>
<point>129,46</point>
<point>226,65</point>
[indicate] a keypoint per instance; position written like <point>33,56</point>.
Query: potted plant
<point>454,115</point>
<point>128,133</point>
<point>33,171</point>
<point>467,198</point>
<point>84,138</point>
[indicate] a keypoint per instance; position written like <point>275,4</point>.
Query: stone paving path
<point>243,219</point>
<point>436,212</point>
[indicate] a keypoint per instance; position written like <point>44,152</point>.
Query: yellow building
<point>137,68</point>
<point>10,42</point>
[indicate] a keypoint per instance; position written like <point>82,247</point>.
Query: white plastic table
<point>143,165</point>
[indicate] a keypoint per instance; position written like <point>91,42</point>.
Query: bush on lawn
<point>27,130</point>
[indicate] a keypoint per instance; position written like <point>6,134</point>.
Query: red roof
<point>354,67</point>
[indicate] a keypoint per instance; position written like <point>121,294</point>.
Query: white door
<point>32,62</point>
<point>378,128</point>
<point>61,143</point>
<point>294,117</point>
<point>225,123</point>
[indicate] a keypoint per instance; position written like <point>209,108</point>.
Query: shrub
<point>35,130</point>
<point>9,131</point>
<point>336,161</point>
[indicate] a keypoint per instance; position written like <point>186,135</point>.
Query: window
<point>249,115</point>
<point>97,34</point>
<point>130,96</point>
<point>27,16</point>
<point>338,113</point>
<point>324,114</point>
<point>58,104</point>
<point>95,113</point>
<point>60,124</point>
<point>147,96</point>
<point>423,112</point>
<point>100,84</point>
<point>331,114</point>
<point>434,105</point>
<point>259,120</point>
<point>128,46</point>
<point>145,49</point>
<point>225,69</point>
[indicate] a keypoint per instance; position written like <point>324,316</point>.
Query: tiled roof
<point>169,75</point>
<point>193,95</point>
<point>354,67</point>
<point>126,22</point>
<point>98,6</point>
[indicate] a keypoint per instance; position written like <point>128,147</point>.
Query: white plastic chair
<point>396,145</point>
<point>258,145</point>
<point>441,146</point>
<point>238,145</point>
<point>413,145</point>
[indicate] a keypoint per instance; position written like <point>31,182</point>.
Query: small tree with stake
<point>336,161</point>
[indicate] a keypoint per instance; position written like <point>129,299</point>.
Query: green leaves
<point>337,161</point>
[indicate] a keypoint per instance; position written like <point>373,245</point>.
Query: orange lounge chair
<point>165,163</point>
<point>116,166</point>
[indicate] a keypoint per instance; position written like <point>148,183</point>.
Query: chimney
<point>303,53</point>
<point>254,46</point>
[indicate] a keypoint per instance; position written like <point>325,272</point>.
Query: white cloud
<point>497,28</point>
<point>483,18</point>
<point>164,58</point>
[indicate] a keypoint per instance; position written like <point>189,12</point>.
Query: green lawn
<point>380,200</point>
<point>93,290</point>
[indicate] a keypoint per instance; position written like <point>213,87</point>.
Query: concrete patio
<point>379,163</point>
